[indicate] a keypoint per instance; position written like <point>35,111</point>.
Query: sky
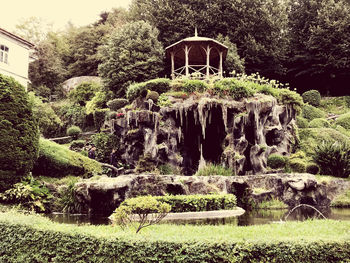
<point>57,12</point>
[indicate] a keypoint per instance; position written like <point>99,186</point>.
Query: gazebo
<point>196,56</point>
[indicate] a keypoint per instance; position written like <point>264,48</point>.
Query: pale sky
<point>58,12</point>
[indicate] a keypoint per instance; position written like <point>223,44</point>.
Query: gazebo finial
<point>195,32</point>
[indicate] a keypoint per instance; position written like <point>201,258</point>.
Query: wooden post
<point>172,65</point>
<point>220,66</point>
<point>208,61</point>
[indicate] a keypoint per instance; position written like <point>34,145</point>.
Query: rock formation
<point>236,134</point>
<point>104,195</point>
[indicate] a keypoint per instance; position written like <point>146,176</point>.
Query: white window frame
<point>4,54</point>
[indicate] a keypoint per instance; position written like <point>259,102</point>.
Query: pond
<point>253,217</point>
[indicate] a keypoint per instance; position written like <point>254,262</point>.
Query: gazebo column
<point>220,66</point>
<point>187,69</point>
<point>172,65</point>
<point>208,61</point>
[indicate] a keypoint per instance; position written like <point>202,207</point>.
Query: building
<point>201,57</point>
<point>14,56</point>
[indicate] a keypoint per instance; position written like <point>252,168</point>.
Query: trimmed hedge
<point>310,112</point>
<point>57,161</point>
<point>313,97</point>
<point>19,133</point>
<point>33,239</point>
<point>196,203</point>
<point>158,85</point>
<point>117,104</point>
<point>319,123</point>
<point>276,161</point>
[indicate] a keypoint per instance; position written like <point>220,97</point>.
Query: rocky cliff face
<point>194,131</point>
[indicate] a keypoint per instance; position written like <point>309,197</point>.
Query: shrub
<point>99,118</point>
<point>84,92</point>
<point>312,168</point>
<point>163,101</point>
<point>319,123</point>
<point>74,114</point>
<point>29,194</point>
<point>286,96</point>
<point>234,88</point>
<point>117,104</point>
<point>19,134</point>
<point>310,112</point>
<point>149,210</point>
<point>67,201</point>
<point>344,121</point>
<point>135,90</point>
<point>333,158</point>
<point>196,203</point>
<point>297,165</point>
<point>212,169</point>
<point>99,101</point>
<point>57,161</point>
<point>161,85</point>
<point>74,131</point>
<point>313,97</point>
<point>153,95</point>
<point>276,161</point>
<point>194,85</point>
<point>302,122</point>
<point>77,145</point>
<point>104,143</point>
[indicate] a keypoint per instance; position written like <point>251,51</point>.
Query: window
<point>4,51</point>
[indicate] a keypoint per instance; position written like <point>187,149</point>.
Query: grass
<point>272,204</point>
<point>335,105</point>
<point>212,169</point>
<point>312,230</point>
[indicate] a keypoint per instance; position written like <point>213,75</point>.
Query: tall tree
<point>132,54</point>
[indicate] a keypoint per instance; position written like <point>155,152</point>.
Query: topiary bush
<point>276,161</point>
<point>74,131</point>
<point>333,158</point>
<point>160,85</point>
<point>310,112</point>
<point>297,165</point>
<point>19,133</point>
<point>319,123</point>
<point>313,97</point>
<point>312,168</point>
<point>117,104</point>
<point>58,161</point>
<point>344,121</point>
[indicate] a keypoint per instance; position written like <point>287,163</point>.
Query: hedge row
<point>29,243</point>
<point>196,203</point>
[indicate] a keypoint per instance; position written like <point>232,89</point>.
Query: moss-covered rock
<point>19,133</point>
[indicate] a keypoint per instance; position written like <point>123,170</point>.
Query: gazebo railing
<point>200,70</point>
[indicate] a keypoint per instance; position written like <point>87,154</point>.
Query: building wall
<point>18,60</point>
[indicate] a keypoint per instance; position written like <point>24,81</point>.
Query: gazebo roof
<point>196,40</point>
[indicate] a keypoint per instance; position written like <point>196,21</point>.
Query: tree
<point>232,62</point>
<point>132,54</point>
<point>19,135</point>
<point>320,40</point>
<point>33,29</point>
<point>258,28</point>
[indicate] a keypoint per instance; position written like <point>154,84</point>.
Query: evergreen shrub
<point>84,92</point>
<point>74,131</point>
<point>153,95</point>
<point>196,203</point>
<point>333,158</point>
<point>99,118</point>
<point>104,143</point>
<point>160,85</point>
<point>313,97</point>
<point>344,121</point>
<point>212,169</point>
<point>319,123</point>
<point>310,112</point>
<point>57,161</point>
<point>234,88</point>
<point>19,133</point>
<point>77,145</point>
<point>194,85</point>
<point>276,161</point>
<point>117,104</point>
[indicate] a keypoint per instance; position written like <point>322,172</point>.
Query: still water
<point>254,217</point>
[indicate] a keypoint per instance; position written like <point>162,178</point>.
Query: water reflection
<point>254,217</point>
